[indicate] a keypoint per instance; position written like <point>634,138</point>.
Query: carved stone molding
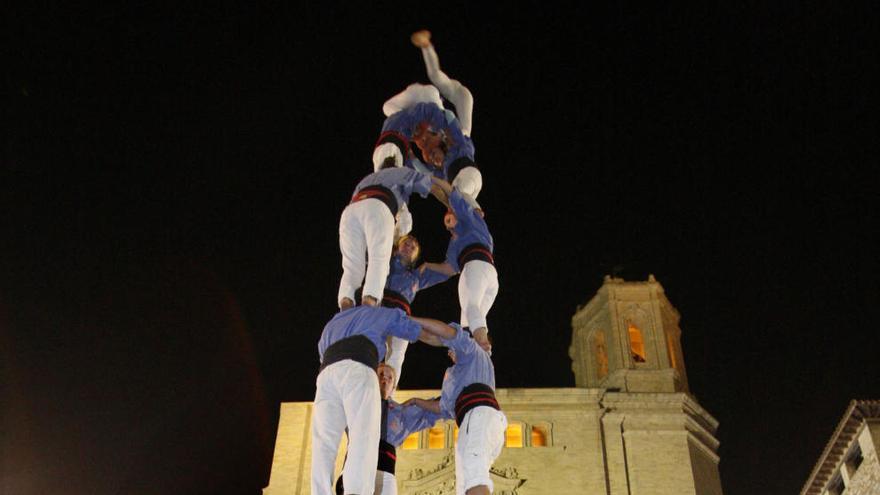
<point>440,480</point>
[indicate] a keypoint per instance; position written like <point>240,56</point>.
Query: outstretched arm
<point>435,327</point>
<point>428,405</point>
<point>441,185</point>
<point>443,268</point>
<point>430,339</point>
<point>441,190</point>
<point>451,89</point>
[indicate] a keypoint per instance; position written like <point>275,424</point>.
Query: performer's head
<point>436,153</point>
<point>386,380</point>
<point>449,220</point>
<point>432,144</point>
<point>408,249</point>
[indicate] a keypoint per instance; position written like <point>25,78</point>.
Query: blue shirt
<point>375,323</point>
<point>470,228</point>
<point>407,281</point>
<point>405,420</point>
<point>401,181</point>
<point>407,120</point>
<point>472,365</point>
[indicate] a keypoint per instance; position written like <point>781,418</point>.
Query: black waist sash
<point>473,252</point>
<point>387,457</point>
<point>456,166</point>
<point>379,192</point>
<point>357,348</point>
<point>474,395</point>
<point>391,299</point>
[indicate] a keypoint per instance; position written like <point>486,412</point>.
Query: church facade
<point>628,427</point>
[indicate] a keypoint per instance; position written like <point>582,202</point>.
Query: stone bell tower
<point>627,338</point>
<point>656,438</point>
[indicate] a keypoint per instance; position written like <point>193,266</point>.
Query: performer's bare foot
<point>421,39</point>
<point>345,303</point>
<point>369,301</point>
<point>478,490</point>
<point>481,335</point>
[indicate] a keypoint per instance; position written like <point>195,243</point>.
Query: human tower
<point>424,148</point>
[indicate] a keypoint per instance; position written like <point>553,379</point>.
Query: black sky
<point>172,179</point>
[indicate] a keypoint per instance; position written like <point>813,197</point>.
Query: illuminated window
<point>636,344</point>
<point>514,436</point>
<point>540,436</point>
<point>437,437</point>
<point>670,348</point>
<point>411,442</point>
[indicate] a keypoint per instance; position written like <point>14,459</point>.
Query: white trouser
<point>366,227</point>
<point>477,288</point>
<point>395,356</point>
<point>414,94</point>
<point>404,222</point>
<point>469,181</point>
<point>386,150</point>
<point>347,396</point>
<point>452,90</point>
<point>386,484</point>
<point>480,440</point>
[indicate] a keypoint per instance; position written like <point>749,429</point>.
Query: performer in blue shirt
<point>367,226</point>
<point>398,422</point>
<point>404,281</point>
<point>468,396</point>
<point>351,346</point>
<point>470,252</point>
<point>416,116</point>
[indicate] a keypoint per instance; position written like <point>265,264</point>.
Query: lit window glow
<point>539,436</point>
<point>411,442</point>
<point>437,437</point>
<point>514,436</point>
<point>637,344</point>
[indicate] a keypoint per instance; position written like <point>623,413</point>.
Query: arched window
<point>540,435</point>
<point>437,436</point>
<point>513,437</point>
<point>637,344</point>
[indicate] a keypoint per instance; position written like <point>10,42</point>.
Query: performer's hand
<point>481,336</point>
<point>421,38</point>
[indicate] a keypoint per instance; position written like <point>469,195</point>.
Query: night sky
<point>172,178</point>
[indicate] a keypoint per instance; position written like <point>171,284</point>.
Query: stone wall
<point>597,442</point>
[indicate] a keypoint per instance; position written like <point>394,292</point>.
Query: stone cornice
<point>845,433</point>
<point>679,401</point>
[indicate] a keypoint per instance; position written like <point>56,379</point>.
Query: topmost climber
<point>417,114</point>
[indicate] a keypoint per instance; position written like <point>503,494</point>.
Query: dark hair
<point>389,162</point>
